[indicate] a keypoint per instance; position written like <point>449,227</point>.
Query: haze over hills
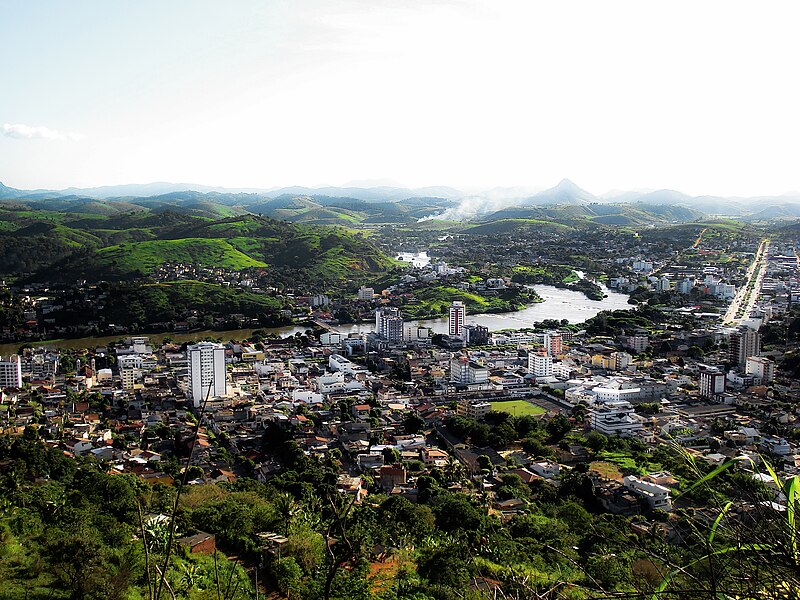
<point>389,203</point>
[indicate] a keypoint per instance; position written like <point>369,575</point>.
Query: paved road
<point>755,273</point>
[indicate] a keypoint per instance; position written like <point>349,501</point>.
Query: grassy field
<point>518,408</point>
<point>606,469</point>
<point>146,256</point>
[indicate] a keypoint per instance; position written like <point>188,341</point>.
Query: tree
<point>558,427</point>
<point>405,522</point>
<point>287,574</point>
<point>413,424</point>
<point>454,512</point>
<point>391,455</point>
<point>484,462</point>
<point>81,565</point>
<point>596,441</point>
<point>447,566</point>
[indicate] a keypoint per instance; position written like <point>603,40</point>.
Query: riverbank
<point>559,276</point>
<point>434,301</point>
<point>178,337</point>
<point>555,304</point>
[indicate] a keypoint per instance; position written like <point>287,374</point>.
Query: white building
<point>458,313</point>
<point>686,285</point>
<point>656,496</point>
<point>615,418</point>
<point>337,362</point>
<point>306,396</point>
<point>330,338</point>
<point>546,469</point>
<point>207,376</point>
<point>11,372</point>
<point>540,365</point>
<point>319,300</point>
<point>474,409</point>
<point>712,383</point>
<point>129,361</point>
<point>637,343</point>
<point>464,371</point>
<point>762,369</point>
<point>724,291</point>
<point>389,323</point>
<point>621,360</point>
<point>417,334</point>
<point>365,293</point>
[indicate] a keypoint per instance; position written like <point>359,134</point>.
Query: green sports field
<point>518,408</point>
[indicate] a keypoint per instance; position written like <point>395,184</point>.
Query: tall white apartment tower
<point>458,314</point>
<point>540,364</point>
<point>389,323</point>
<point>207,376</point>
<point>11,372</point>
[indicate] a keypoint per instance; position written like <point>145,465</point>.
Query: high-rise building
<point>762,369</point>
<point>553,343</point>
<point>389,323</point>
<point>743,343</point>
<point>458,313</point>
<point>540,364</point>
<point>207,376</point>
<point>11,372</point>
<point>620,360</point>
<point>712,383</point>
<point>476,335</point>
<point>129,377</point>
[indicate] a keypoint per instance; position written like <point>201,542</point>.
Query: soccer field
<point>518,408</point>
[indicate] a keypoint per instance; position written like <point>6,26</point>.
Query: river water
<point>558,304</point>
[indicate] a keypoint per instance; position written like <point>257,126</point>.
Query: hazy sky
<point>701,96</point>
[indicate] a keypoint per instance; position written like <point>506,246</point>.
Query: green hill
<point>635,215</point>
<point>503,226</point>
<point>95,246</point>
<point>144,257</point>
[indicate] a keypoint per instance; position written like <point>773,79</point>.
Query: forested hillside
<point>66,245</point>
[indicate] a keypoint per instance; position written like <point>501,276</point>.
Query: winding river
<point>558,304</point>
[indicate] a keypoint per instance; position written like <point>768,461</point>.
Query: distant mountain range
<point>378,193</point>
<point>332,204</point>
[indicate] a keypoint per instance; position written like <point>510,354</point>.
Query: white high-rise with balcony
<point>11,372</point>
<point>458,314</point>
<point>207,377</point>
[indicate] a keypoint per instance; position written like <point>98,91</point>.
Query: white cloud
<point>26,132</point>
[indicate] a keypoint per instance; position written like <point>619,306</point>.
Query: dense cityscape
<point>438,455</point>
<point>380,300</point>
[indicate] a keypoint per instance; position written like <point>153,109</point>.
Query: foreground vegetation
<point>69,529</point>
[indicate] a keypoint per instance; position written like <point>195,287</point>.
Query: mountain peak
<point>567,184</point>
<point>566,192</point>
